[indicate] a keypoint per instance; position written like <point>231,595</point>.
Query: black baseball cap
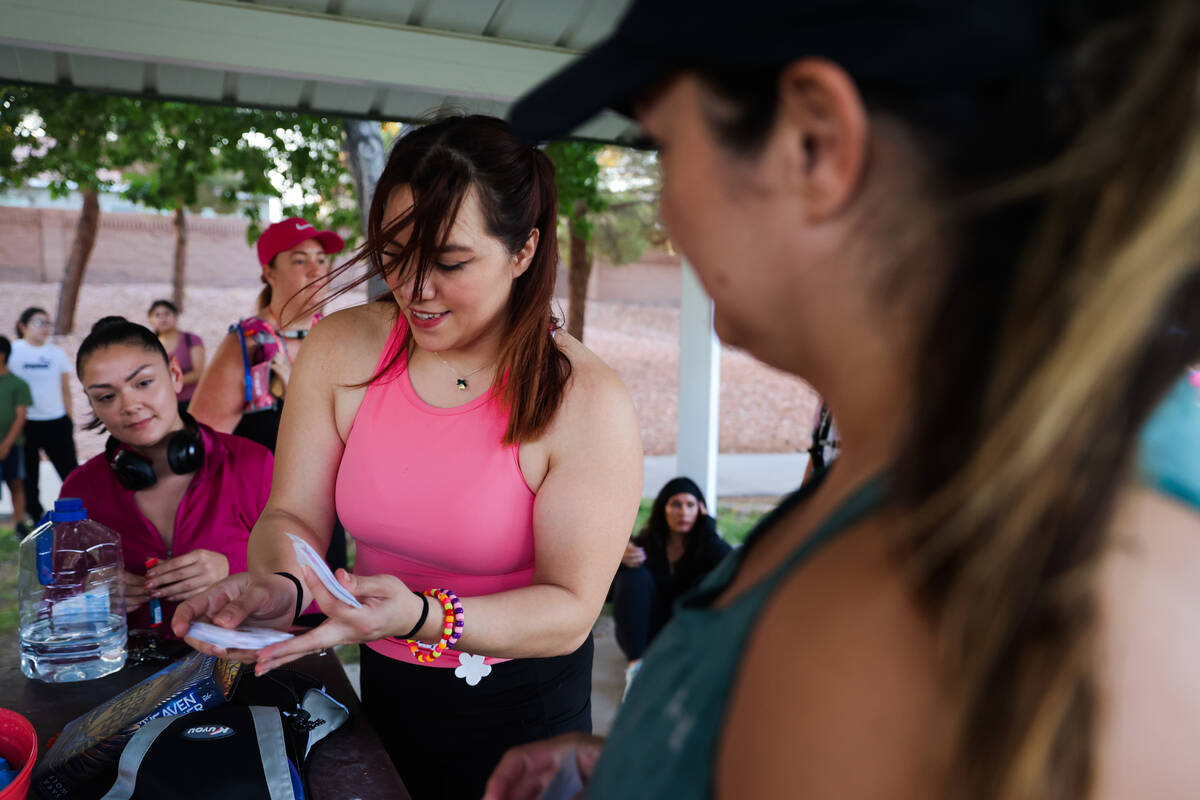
<point>902,42</point>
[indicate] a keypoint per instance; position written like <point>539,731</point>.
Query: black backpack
<point>255,747</point>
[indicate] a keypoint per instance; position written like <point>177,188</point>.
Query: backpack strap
<point>237,329</point>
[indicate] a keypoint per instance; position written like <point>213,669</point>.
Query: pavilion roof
<point>384,59</point>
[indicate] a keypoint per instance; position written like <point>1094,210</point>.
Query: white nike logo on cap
<point>302,225</point>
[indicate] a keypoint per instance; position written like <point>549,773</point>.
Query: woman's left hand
<point>389,608</point>
<point>634,556</point>
<point>183,577</point>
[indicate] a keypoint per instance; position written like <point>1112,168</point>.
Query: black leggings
<point>639,609</point>
<point>57,438</point>
<point>446,737</point>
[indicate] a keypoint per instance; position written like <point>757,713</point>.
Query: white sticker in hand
<point>309,558</point>
<point>245,638</point>
<point>567,782</point>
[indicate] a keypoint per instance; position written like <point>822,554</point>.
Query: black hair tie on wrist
<point>421,621</point>
<point>299,594</point>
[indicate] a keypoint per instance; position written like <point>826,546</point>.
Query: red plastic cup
<point>18,745</point>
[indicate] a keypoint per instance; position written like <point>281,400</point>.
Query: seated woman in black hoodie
<point>678,546</point>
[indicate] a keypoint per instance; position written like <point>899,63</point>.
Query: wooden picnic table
<point>351,763</point>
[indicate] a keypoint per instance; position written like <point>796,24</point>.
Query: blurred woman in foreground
<point>994,205</point>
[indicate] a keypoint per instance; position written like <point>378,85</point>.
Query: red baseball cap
<point>292,231</point>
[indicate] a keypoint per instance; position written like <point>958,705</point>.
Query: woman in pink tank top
<point>474,452</point>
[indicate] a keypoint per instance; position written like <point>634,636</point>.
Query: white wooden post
<point>699,387</point>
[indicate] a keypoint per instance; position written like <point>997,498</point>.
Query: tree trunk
<point>579,269</point>
<point>364,153</point>
<point>179,277</point>
<point>77,261</point>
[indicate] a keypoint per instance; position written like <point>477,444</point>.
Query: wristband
<point>421,621</point>
<point>299,594</point>
<point>452,627</point>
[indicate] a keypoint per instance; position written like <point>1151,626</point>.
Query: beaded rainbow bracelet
<point>452,627</point>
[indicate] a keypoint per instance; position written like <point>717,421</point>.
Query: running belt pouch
<point>82,764</point>
<point>232,753</point>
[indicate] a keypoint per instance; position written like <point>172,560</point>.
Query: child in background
<point>15,400</point>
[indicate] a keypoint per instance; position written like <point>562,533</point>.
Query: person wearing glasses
<point>48,427</point>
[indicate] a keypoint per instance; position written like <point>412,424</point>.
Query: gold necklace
<point>460,380</point>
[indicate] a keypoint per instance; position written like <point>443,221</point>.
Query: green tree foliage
<point>206,156</point>
<point>577,175</point>
<point>198,154</point>
<point>172,156</point>
<point>74,141</point>
<point>179,158</point>
<point>629,224</point>
<point>607,202</point>
<point>306,152</point>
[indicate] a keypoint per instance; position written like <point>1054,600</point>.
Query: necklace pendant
<point>462,384</point>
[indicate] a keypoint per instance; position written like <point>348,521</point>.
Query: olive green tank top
<point>663,742</point>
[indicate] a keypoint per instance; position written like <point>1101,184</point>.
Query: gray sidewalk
<point>738,474</point>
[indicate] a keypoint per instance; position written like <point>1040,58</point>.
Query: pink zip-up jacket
<point>221,505</point>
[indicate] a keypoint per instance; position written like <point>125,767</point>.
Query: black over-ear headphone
<point>185,453</point>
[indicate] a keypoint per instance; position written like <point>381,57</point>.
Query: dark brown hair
<point>167,304</point>
<point>440,163</point>
<point>1068,197</point>
<point>23,320</point>
<point>263,301</point>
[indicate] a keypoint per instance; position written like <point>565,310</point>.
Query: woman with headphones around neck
<point>174,489</point>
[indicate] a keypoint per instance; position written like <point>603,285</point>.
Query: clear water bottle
<point>72,597</point>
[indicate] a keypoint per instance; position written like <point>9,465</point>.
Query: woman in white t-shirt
<point>48,427</point>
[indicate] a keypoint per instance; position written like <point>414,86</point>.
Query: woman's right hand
<point>135,591</point>
<point>524,772</point>
<point>254,599</point>
<point>634,555</point>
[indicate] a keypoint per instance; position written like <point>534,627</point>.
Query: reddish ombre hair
<point>440,163</point>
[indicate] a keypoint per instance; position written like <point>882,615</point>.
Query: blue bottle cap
<point>68,509</point>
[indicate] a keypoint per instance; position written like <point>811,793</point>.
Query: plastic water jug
<point>72,597</point>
